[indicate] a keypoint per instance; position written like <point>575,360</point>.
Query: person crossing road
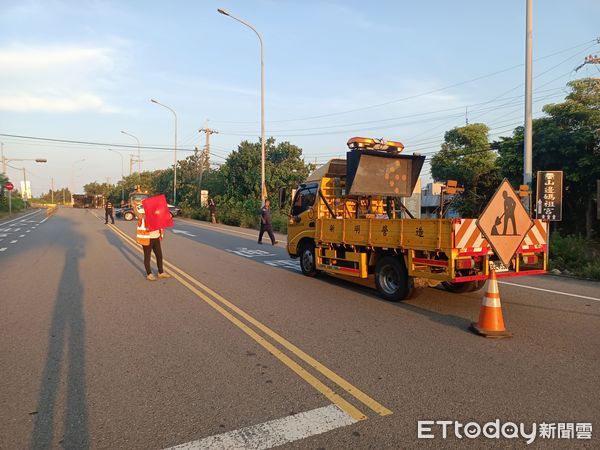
<point>265,223</point>
<point>109,212</point>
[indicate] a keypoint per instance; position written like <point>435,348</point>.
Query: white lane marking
<point>552,292</point>
<point>20,218</point>
<point>22,235</point>
<point>285,263</point>
<point>17,229</point>
<point>2,249</point>
<point>3,235</point>
<point>16,240</point>
<point>28,231</point>
<point>43,220</point>
<point>276,432</point>
<point>226,230</point>
<point>247,253</point>
<point>187,233</point>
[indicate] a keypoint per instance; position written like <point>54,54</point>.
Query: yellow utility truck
<point>348,219</point>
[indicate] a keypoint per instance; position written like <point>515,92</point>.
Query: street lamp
<point>122,173</point>
<point>175,151</point>
<point>263,189</point>
<point>139,158</point>
<point>4,164</point>
<point>5,160</point>
<point>24,194</point>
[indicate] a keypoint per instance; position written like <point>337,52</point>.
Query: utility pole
<point>589,60</point>
<point>132,161</point>
<point>206,158</point>
<point>527,150</point>
<point>24,194</point>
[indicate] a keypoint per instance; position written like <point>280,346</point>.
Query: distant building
<point>413,203</point>
<point>433,188</point>
<point>430,202</point>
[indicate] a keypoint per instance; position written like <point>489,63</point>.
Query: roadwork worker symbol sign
<point>504,222</point>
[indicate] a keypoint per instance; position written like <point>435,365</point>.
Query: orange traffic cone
<point>491,323</point>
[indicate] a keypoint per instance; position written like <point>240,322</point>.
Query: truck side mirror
<point>282,197</point>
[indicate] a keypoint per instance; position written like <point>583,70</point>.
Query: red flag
<point>157,213</point>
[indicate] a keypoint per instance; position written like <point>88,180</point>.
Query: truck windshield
<point>304,199</point>
<point>138,197</point>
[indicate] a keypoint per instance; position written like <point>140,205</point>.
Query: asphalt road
<point>92,355</point>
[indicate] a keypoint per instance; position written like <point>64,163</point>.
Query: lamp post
<point>122,173</point>
<point>139,158</point>
<point>5,160</point>
<point>263,189</point>
<point>174,151</point>
<point>528,131</point>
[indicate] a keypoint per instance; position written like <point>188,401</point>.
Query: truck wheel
<point>307,260</point>
<point>392,280</point>
<point>128,216</point>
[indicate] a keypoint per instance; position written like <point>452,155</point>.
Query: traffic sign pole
<point>9,187</point>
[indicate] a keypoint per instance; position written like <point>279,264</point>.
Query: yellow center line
<point>344,384</point>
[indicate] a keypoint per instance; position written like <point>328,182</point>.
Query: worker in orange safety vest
<point>150,241</point>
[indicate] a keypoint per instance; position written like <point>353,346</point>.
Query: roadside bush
<point>280,222</point>
<point>575,254</point>
<point>197,214</point>
<point>17,204</point>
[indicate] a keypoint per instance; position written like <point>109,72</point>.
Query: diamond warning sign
<point>504,222</point>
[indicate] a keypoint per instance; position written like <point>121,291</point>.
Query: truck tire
<point>128,216</point>
<point>308,260</point>
<point>392,280</point>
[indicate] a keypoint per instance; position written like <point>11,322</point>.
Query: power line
<point>104,144</point>
<point>412,96</point>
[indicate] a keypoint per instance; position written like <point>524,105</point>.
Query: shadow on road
<point>133,257</point>
<point>66,348</point>
<point>450,320</point>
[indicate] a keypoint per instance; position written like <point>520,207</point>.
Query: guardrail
<point>50,207</point>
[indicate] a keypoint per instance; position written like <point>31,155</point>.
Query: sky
<point>85,70</point>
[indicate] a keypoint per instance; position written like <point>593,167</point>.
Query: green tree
<point>283,167</point>
<point>466,156</point>
<point>3,192</point>
<point>578,120</point>
<point>95,188</point>
<point>61,196</point>
<point>567,139</point>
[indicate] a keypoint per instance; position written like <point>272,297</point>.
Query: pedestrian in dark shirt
<point>108,212</point>
<point>213,210</point>
<point>265,223</point>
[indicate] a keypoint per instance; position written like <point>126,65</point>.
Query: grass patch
<point>576,255</point>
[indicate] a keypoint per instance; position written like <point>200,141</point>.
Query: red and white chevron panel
<point>537,236</point>
<point>468,237</point>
